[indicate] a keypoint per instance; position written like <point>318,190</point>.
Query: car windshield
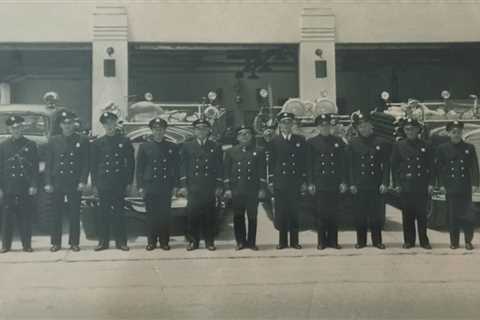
<point>35,124</point>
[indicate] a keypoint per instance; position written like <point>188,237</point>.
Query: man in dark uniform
<point>201,179</point>
<point>457,165</point>
<point>66,175</point>
<point>289,175</point>
<point>327,175</point>
<point>18,183</point>
<point>112,168</point>
<point>245,184</point>
<point>369,172</point>
<point>412,175</point>
<point>158,163</point>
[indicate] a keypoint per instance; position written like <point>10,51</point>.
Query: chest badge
<point>170,151</point>
<point>378,148</point>
<point>211,150</point>
<point>254,154</point>
<point>423,150</point>
<point>120,145</point>
<point>298,144</point>
<point>77,145</point>
<point>336,145</point>
<point>467,151</point>
<point>26,149</point>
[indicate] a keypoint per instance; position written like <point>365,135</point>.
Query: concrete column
<point>317,32</point>
<point>5,93</point>
<point>110,31</point>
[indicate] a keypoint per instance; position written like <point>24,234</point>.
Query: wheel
<point>437,215</point>
<point>45,211</point>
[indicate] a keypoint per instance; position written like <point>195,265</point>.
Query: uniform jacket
<point>18,165</point>
<point>457,166</point>
<point>368,162</point>
<point>244,169</point>
<point>158,165</point>
<point>201,166</point>
<point>67,161</point>
<point>412,164</point>
<point>327,162</point>
<point>112,162</point>
<point>288,162</point>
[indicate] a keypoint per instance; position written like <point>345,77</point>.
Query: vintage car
<point>40,123</point>
<point>434,115</point>
<point>135,126</point>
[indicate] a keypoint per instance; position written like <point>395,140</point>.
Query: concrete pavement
<point>287,284</point>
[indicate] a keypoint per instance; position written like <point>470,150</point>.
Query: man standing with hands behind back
<point>66,172</point>
<point>113,166</point>
<point>18,183</point>
<point>157,179</point>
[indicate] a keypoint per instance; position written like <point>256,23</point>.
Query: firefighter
<point>157,179</point>
<point>412,161</point>
<point>245,184</point>
<point>66,175</point>
<point>368,158</point>
<point>112,168</point>
<point>327,174</point>
<point>458,176</point>
<point>18,183</point>
<point>288,166</point>
<point>201,179</point>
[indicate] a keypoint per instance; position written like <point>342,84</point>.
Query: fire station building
<point>96,52</point>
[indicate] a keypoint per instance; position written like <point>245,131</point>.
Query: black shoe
<point>321,247</point>
<point>253,247</point>
<point>426,246</point>
<point>150,247</point>
<point>407,246</point>
<point>468,246</point>
<point>281,246</point>
<point>454,246</point>
<point>101,247</point>
<point>336,246</point>
<point>4,250</point>
<point>380,246</point>
<point>211,247</point>
<point>240,246</point>
<point>165,247</point>
<point>75,248</point>
<point>192,246</point>
<point>28,249</point>
<point>296,246</point>
<point>122,247</point>
<point>360,246</point>
<point>55,248</point>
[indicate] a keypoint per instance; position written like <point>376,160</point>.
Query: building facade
<point>96,52</point>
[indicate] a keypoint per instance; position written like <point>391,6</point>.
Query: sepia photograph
<point>239,159</point>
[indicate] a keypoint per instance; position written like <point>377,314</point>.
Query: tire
<point>45,211</point>
<point>437,215</point>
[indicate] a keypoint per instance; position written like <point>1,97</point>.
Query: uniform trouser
<point>112,213</point>
<point>66,203</point>
<point>414,208</point>
<point>368,214</point>
<point>286,216</point>
<point>158,207</point>
<point>326,217</point>
<point>458,206</point>
<point>242,203</point>
<point>201,217</point>
<point>17,207</point>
